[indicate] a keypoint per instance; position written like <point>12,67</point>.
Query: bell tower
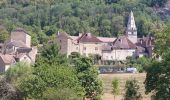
<point>131,31</point>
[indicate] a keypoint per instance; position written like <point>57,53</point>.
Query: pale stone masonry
<point>17,49</point>
<point>21,35</point>
<point>131,31</point>
<point>110,49</point>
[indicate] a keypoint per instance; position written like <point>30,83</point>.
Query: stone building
<point>17,49</point>
<point>85,44</point>
<point>21,35</point>
<point>110,49</point>
<point>131,31</point>
<point>120,49</point>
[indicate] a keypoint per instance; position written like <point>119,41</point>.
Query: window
<point>77,48</point>
<point>60,41</point>
<point>96,48</point>
<point>111,57</point>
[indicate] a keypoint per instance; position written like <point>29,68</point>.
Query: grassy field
<point>107,79</point>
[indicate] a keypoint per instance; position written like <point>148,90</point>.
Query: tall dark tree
<point>132,90</point>
<point>158,74</point>
<point>87,75</point>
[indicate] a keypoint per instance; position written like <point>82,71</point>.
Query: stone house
<point>85,44</point>
<point>121,48</point>
<point>17,49</point>
<point>21,35</point>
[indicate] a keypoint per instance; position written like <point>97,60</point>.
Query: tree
<point>132,90</point>
<point>17,72</point>
<point>158,74</point>
<point>8,91</point>
<point>46,78</point>
<point>156,3</point>
<point>13,77</point>
<point>141,63</point>
<point>162,45</point>
<point>87,75</point>
<point>61,94</point>
<point>158,79</point>
<point>50,55</point>
<point>115,87</point>
<point>4,35</point>
<point>51,73</point>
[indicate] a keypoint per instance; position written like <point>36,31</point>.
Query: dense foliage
<point>132,90</point>
<point>43,18</point>
<point>115,87</point>
<point>88,76</point>
<point>158,74</point>
<point>55,77</point>
<point>141,64</point>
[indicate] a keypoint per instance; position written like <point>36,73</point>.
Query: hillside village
<point>84,50</point>
<point>108,49</point>
<point>18,47</point>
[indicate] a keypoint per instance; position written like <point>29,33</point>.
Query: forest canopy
<point>43,18</point>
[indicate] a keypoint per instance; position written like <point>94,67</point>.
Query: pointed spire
<point>131,31</point>
<point>131,23</point>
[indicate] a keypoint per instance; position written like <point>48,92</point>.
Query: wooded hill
<point>43,18</point>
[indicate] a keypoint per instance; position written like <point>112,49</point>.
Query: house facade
<point>119,50</point>
<point>85,44</point>
<point>110,49</point>
<point>17,49</point>
<point>6,61</point>
<point>21,35</point>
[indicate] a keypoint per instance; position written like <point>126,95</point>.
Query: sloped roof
<point>88,37</point>
<point>107,48</point>
<point>74,37</point>
<point>16,43</point>
<point>20,55</point>
<point>7,59</point>
<point>63,34</point>
<point>24,50</point>
<point>122,42</point>
<point>106,39</point>
<point>140,49</point>
<point>146,41</point>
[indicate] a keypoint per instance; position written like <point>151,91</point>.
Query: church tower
<point>131,31</point>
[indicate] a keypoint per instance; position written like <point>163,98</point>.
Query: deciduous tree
<point>132,90</point>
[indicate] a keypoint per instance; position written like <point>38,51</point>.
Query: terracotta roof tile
<point>7,59</point>
<point>88,37</point>
<point>16,43</point>
<point>122,42</point>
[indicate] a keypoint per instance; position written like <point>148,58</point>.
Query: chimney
<point>89,34</point>
<point>141,41</point>
<point>80,34</point>
<point>143,37</point>
<point>58,33</point>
